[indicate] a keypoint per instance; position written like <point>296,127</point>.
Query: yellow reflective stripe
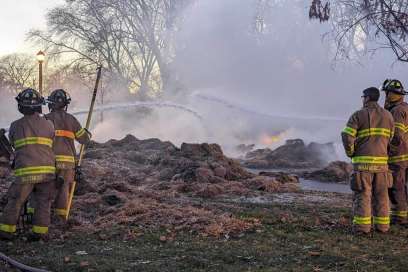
<point>350,131</point>
<point>357,220</point>
<point>374,132</point>
<point>350,152</point>
<point>40,230</point>
<point>65,133</point>
<point>80,133</point>
<point>381,220</point>
<point>62,212</point>
<point>63,158</point>
<point>33,140</point>
<point>36,170</point>
<point>402,127</point>
<point>30,210</point>
<point>400,213</point>
<point>370,159</point>
<point>400,158</point>
<point>8,228</point>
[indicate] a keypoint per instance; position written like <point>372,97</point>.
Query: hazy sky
<point>19,16</point>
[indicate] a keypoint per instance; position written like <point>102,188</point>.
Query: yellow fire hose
<point>81,153</point>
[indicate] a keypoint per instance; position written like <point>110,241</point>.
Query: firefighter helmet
<point>30,101</point>
<point>58,99</point>
<point>393,86</point>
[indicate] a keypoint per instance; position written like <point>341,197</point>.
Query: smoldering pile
<point>150,184</point>
<point>308,161</point>
<point>294,154</point>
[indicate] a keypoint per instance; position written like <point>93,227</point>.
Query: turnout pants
<point>17,195</point>
<point>398,195</point>
<point>66,177</point>
<point>371,201</point>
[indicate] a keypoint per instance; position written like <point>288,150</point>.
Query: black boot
<point>6,236</point>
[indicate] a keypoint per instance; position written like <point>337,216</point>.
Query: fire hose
<point>18,265</point>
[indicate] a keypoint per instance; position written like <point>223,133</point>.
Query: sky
<point>17,17</point>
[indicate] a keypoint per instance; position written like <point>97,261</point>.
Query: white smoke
<point>245,86</point>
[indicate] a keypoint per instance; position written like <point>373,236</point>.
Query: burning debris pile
<point>150,184</point>
<point>294,154</point>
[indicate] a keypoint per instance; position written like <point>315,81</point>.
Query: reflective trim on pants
<point>402,214</point>
<point>61,212</point>
<point>358,220</point>
<point>381,220</point>
<point>8,228</point>
<point>40,230</point>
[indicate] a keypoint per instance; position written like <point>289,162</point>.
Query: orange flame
<point>269,140</point>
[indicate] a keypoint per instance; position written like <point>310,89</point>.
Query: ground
<point>307,231</point>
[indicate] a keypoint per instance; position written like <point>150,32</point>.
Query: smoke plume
<point>247,87</point>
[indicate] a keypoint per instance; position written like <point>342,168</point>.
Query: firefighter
<point>34,166</point>
<point>68,129</point>
<point>398,152</point>
<point>366,140</point>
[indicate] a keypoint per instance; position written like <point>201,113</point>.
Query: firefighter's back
<point>67,130</point>
<point>32,137</point>
<point>374,131</point>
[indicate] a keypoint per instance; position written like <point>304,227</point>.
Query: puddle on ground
<point>310,185</point>
<point>313,185</point>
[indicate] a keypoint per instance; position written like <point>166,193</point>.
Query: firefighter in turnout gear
<point>67,130</point>
<point>366,141</point>
<point>34,165</point>
<point>398,152</point>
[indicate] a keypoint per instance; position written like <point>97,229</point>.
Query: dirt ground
<point>147,205</point>
<point>298,232</point>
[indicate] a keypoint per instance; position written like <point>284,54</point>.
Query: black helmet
<point>58,99</point>
<point>30,101</point>
<point>393,86</point>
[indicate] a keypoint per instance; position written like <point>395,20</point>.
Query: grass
<point>293,237</point>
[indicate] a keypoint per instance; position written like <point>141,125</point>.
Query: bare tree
<point>358,23</point>
<point>262,8</point>
<point>131,38</point>
<point>17,71</point>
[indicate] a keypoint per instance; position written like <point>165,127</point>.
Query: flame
<point>268,140</point>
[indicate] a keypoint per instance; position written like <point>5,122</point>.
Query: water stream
<point>122,106</point>
<point>226,104</point>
